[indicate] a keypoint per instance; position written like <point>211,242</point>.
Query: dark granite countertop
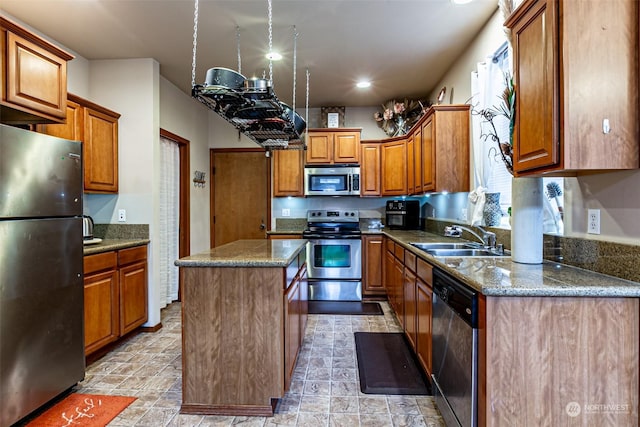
<point>498,276</point>
<point>247,253</point>
<point>113,245</point>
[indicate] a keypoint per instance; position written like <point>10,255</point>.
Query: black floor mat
<point>388,366</point>
<point>345,307</point>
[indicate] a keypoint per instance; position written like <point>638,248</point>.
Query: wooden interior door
<point>240,195</point>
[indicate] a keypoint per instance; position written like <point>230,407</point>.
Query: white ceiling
<point>403,46</point>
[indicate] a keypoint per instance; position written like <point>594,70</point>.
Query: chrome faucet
<point>488,238</point>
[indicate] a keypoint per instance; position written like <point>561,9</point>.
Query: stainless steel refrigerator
<point>41,286</point>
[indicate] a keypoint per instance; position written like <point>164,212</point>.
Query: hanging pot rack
<point>252,106</point>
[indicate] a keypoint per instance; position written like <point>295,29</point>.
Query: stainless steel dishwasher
<point>455,350</point>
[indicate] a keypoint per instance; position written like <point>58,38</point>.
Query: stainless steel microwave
<point>332,181</point>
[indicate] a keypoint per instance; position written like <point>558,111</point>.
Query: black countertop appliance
<point>403,214</point>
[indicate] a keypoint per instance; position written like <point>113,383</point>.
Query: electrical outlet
<point>593,225</point>
<point>286,212</point>
<point>122,215</point>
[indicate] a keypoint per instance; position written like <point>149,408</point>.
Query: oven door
<point>337,259</point>
<point>397,220</point>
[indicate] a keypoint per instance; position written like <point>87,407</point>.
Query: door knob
<point>262,224</point>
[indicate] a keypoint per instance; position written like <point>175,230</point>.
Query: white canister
<point>527,216</point>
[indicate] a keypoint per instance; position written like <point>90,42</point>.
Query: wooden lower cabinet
<point>409,300</point>
<point>241,332</point>
<point>408,281</point>
<point>424,312</point>
<point>393,273</point>
<point>398,290</point>
<point>101,301</point>
<point>372,251</point>
<point>132,265</point>
<point>292,329</point>
<point>409,297</point>
<point>541,356</point>
<point>115,295</point>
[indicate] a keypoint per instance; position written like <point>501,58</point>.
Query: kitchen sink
<point>465,253</point>
<point>468,249</point>
<point>430,246</point>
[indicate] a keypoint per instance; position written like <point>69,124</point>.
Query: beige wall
<point>457,79</point>
<point>131,87</point>
<point>187,118</point>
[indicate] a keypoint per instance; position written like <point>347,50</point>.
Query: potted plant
<point>505,108</point>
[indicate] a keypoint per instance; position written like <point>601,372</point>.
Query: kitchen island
<point>557,345</point>
<point>244,310</point>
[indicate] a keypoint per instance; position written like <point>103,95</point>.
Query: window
<point>500,180</point>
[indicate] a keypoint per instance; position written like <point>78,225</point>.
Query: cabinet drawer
<point>410,260</point>
<point>127,256</point>
<point>399,252</point>
<point>390,246</point>
<point>425,272</point>
<point>100,262</point>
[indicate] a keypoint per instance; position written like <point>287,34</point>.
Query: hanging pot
<point>224,77</point>
<point>298,122</point>
<point>259,109</point>
<point>256,85</point>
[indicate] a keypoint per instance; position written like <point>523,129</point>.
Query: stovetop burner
<point>332,224</point>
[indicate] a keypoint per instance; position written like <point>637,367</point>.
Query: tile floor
<point>325,389</point>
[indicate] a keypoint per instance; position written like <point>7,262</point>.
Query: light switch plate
<point>286,212</point>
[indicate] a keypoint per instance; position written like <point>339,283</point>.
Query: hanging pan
<point>224,77</point>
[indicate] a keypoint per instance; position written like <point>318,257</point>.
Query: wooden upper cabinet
<point>411,165</point>
<point>370,170</point>
<point>417,156</point>
<point>576,80</point>
<point>34,77</point>
<point>434,156</point>
<point>428,156</point>
<point>319,147</point>
<point>100,152</point>
<point>326,146</point>
<point>346,147</point>
<point>97,128</point>
<point>536,138</point>
<point>288,176</point>
<point>451,139</point>
<point>73,129</point>
<point>394,168</point>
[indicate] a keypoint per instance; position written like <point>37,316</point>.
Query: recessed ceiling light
<point>274,56</point>
<point>363,84</point>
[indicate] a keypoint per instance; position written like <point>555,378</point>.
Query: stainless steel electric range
<point>334,255</point>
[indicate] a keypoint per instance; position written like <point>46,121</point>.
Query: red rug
<point>83,410</point>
